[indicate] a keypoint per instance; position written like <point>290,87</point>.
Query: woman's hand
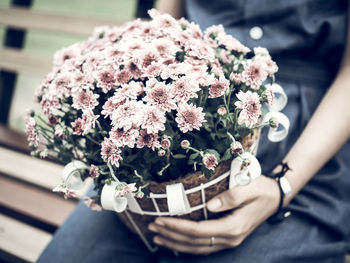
<point>250,205</point>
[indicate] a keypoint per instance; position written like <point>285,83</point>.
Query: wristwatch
<point>285,190</point>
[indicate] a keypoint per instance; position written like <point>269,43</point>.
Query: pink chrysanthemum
<point>185,89</point>
<point>161,96</point>
<point>210,161</point>
<point>148,58</point>
<point>88,120</point>
<point>106,78</point>
<point>232,43</point>
<point>270,96</point>
<point>124,138</point>
<point>128,114</point>
<point>85,100</point>
<point>250,108</point>
<point>123,77</point>
<point>154,120</point>
<point>165,47</point>
<point>77,126</point>
<point>65,54</point>
<point>254,74</point>
<point>94,173</point>
<point>147,139</point>
<point>110,152</point>
<point>32,136</point>
<point>219,88</point>
<point>126,189</point>
<point>189,117</point>
<point>236,78</point>
<point>109,107</point>
<point>134,69</point>
<point>62,83</point>
<point>154,70</point>
<point>128,91</point>
<point>49,104</point>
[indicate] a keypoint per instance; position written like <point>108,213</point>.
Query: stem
<point>231,137</point>
<point>228,110</point>
<point>43,121</point>
<point>195,150</point>
<point>163,169</point>
<point>112,172</point>
<point>91,139</point>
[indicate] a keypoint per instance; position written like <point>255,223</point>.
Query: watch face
<point>286,188</point>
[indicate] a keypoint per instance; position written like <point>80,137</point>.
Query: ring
<point>212,241</point>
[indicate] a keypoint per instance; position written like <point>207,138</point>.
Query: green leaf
<point>207,173</point>
<point>179,156</point>
<point>194,156</point>
<point>227,155</point>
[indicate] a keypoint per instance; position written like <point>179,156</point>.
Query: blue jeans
<point>89,236</point>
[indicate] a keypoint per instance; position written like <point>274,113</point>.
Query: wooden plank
<point>22,240</point>
<point>29,19</point>
<point>33,202</point>
<point>13,139</point>
<point>35,171</point>
<point>20,61</point>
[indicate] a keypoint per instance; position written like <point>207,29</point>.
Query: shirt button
<point>256,32</point>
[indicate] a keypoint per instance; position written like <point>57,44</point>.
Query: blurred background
<point>43,43</point>
<point>30,33</point>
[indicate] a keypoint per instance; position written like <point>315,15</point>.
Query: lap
<point>89,236</point>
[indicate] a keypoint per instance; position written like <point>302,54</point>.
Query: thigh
<point>90,236</point>
<point>296,239</point>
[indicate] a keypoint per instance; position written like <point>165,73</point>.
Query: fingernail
<point>214,204</point>
<point>152,227</point>
<point>157,240</point>
<point>159,222</point>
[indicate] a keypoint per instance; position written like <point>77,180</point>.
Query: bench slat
<point>34,170</point>
<point>13,139</point>
<point>34,202</point>
<point>20,61</point>
<point>22,240</point>
<point>29,169</point>
<point>28,19</point>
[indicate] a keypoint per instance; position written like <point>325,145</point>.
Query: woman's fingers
<point>233,198</point>
<point>215,227</point>
<point>185,248</point>
<point>251,205</point>
<point>186,239</point>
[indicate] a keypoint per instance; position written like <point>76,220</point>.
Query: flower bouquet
<point>159,114</point>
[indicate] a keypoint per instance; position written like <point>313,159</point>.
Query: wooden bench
<point>29,211</point>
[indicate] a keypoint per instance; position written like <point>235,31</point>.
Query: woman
<point>307,39</point>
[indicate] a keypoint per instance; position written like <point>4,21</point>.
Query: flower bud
<point>246,162</point>
<point>43,154</point>
<point>165,143</point>
<point>139,194</point>
<point>185,144</point>
<point>53,120</point>
<point>236,78</point>
<point>236,147</point>
<point>222,111</point>
<point>161,152</point>
<point>273,122</point>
